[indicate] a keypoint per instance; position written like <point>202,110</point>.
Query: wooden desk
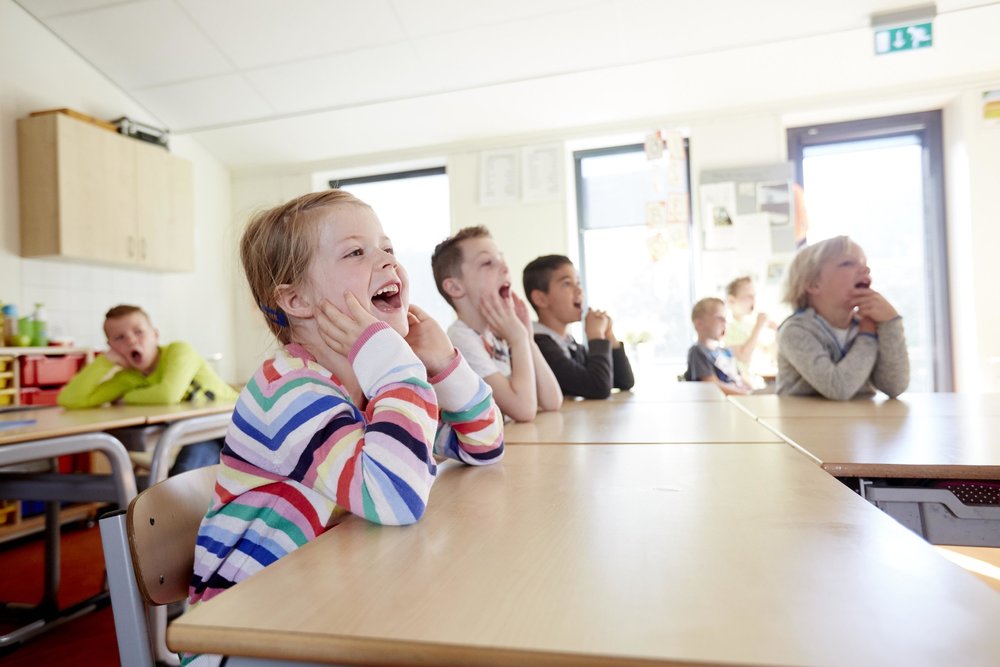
<point>615,555</point>
<point>919,405</point>
<point>57,423</point>
<point>586,422</point>
<point>881,452</point>
<point>670,392</point>
<point>911,447</point>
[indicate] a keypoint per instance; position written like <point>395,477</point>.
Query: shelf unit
<point>12,522</point>
<point>10,369</point>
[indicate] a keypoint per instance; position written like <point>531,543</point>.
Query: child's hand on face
<point>340,330</point>
<point>501,317</point>
<point>521,310</point>
<point>429,341</point>
<point>873,305</point>
<point>595,324</point>
<point>116,359</point>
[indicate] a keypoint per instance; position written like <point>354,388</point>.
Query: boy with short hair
<point>493,327</point>
<point>552,286</point>
<point>708,360</point>
<point>147,373</point>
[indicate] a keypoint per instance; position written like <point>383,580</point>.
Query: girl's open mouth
<point>505,290</point>
<point>386,298</point>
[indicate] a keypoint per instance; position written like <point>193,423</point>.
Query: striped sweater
<point>299,455</point>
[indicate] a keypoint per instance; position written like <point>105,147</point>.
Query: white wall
<point>38,71</point>
<point>727,138</point>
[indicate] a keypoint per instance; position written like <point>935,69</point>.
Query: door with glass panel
<point>880,182</point>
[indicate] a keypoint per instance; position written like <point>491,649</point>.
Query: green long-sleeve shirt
<point>180,374</point>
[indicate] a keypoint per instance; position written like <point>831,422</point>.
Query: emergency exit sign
<point>904,38</point>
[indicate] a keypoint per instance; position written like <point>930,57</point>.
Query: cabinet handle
<point>131,247</point>
<point>142,245</point>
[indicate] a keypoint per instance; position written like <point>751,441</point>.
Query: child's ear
<point>293,302</point>
<point>453,288</point>
<point>538,298</point>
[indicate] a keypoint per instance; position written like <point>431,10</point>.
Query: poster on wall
<point>540,173</point>
<point>499,177</point>
<point>718,208</point>
<point>766,189</point>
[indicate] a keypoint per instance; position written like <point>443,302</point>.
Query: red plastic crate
<point>38,370</point>
<point>36,396</point>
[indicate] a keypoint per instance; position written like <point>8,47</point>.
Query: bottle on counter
<point>39,327</point>
<point>9,324</point>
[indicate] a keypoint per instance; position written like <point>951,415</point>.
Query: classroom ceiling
<point>280,81</point>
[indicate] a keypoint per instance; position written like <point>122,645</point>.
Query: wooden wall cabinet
<point>90,194</point>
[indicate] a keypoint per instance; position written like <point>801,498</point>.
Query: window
<point>640,275</point>
<point>413,207</point>
<point>880,182</point>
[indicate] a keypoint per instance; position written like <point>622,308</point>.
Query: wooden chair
<point>149,555</point>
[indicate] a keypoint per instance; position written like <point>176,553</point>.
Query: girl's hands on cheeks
<point>429,341</point>
<point>340,330</point>
<point>501,318</point>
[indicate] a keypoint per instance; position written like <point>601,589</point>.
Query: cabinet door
<point>165,209</point>
<point>97,193</point>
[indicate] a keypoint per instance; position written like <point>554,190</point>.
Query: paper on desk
<point>17,423</point>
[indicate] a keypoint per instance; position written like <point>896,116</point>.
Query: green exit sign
<point>904,38</point>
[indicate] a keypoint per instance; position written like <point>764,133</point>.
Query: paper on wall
<point>753,239</point>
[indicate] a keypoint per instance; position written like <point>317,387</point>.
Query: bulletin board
<point>746,217</point>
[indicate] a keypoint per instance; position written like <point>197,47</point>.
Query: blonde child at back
<point>844,339</point>
<point>343,418</point>
<point>749,333</point>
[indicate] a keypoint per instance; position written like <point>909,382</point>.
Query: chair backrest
<point>162,525</point>
<point>149,556</point>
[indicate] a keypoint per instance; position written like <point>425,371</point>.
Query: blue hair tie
<point>275,316</point>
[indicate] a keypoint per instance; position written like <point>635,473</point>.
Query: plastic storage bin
<point>40,370</point>
<point>36,396</point>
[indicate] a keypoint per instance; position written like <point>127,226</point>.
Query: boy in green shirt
<point>136,370</point>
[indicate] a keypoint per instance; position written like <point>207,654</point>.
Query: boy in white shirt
<point>493,329</point>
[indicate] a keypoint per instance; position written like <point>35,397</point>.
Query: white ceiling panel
<point>141,43</point>
<point>359,77</point>
<point>434,17</point>
<point>49,8</point>
<point>219,100</point>
<point>262,81</point>
<point>524,49</point>
<point>263,32</point>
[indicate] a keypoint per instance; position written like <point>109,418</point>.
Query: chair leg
<point>127,605</point>
<point>158,634</point>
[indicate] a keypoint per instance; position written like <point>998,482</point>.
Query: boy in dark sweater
<point>552,286</point>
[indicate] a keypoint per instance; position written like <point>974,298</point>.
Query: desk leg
<point>47,614</point>
<point>50,603</point>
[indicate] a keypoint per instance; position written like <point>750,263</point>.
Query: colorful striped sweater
<point>299,455</point>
